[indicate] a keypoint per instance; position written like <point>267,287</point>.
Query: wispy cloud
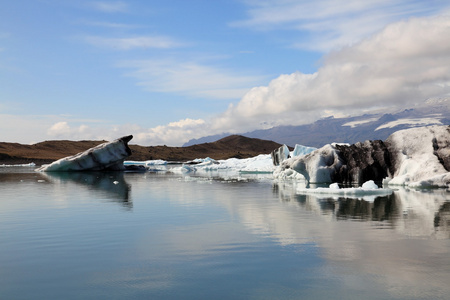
<point>110,6</point>
<point>400,66</point>
<point>129,43</point>
<point>190,78</point>
<point>328,24</point>
<point>404,64</point>
<point>111,25</point>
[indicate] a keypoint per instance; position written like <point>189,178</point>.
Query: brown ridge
<point>45,152</point>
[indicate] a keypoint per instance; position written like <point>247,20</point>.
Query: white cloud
<point>129,43</point>
<point>404,64</point>
<point>63,130</point>
<point>110,6</point>
<point>111,25</point>
<point>173,134</point>
<point>190,78</point>
<point>332,23</point>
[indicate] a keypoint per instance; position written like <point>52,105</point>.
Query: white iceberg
<point>106,156</point>
<point>301,150</point>
<point>422,157</point>
<point>258,164</point>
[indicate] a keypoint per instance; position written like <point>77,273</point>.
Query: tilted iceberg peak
<point>106,156</point>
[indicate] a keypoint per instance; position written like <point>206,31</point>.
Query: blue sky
<point>169,71</point>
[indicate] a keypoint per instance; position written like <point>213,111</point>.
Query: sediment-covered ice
<point>417,157</point>
<point>421,157</point>
<point>106,156</point>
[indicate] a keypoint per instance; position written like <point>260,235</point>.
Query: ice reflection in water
<point>204,236</point>
<point>409,211</point>
<point>408,260</point>
<point>111,184</point>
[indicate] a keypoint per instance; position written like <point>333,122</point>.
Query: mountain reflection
<point>111,184</point>
<point>413,212</point>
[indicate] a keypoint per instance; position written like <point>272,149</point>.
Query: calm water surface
<point>168,236</point>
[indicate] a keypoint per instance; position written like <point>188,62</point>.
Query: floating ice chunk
<point>106,156</point>
<point>421,157</point>
<point>18,165</point>
<point>145,163</point>
<point>369,185</point>
<point>201,160</point>
<point>301,150</point>
<point>287,174</point>
<point>258,164</point>
<point>279,155</point>
<point>334,186</point>
<point>418,157</point>
<point>367,189</point>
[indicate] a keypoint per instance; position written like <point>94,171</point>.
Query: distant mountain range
<point>373,126</point>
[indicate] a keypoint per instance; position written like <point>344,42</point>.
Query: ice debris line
<point>416,157</point>
<point>107,156</point>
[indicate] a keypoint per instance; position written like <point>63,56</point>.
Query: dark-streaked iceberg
<point>416,157</point>
<point>104,157</point>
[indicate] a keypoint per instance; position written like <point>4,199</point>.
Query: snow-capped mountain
<point>372,126</point>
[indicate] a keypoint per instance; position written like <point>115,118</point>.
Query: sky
<point>173,70</point>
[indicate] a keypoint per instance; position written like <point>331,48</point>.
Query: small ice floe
<point>369,188</point>
<point>18,165</point>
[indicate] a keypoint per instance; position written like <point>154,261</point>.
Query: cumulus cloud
<point>190,78</point>
<point>174,133</point>
<point>405,63</point>
<point>63,130</point>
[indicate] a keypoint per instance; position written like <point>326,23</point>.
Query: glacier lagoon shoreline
<point>418,157</point>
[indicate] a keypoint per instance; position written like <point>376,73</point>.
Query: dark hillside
<point>48,151</point>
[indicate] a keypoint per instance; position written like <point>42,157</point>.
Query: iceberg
<point>420,157</point>
<point>108,156</point>
<point>258,164</point>
<point>301,150</point>
<point>280,154</point>
<point>416,157</point>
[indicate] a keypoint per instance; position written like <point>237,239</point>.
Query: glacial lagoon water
<point>160,235</point>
